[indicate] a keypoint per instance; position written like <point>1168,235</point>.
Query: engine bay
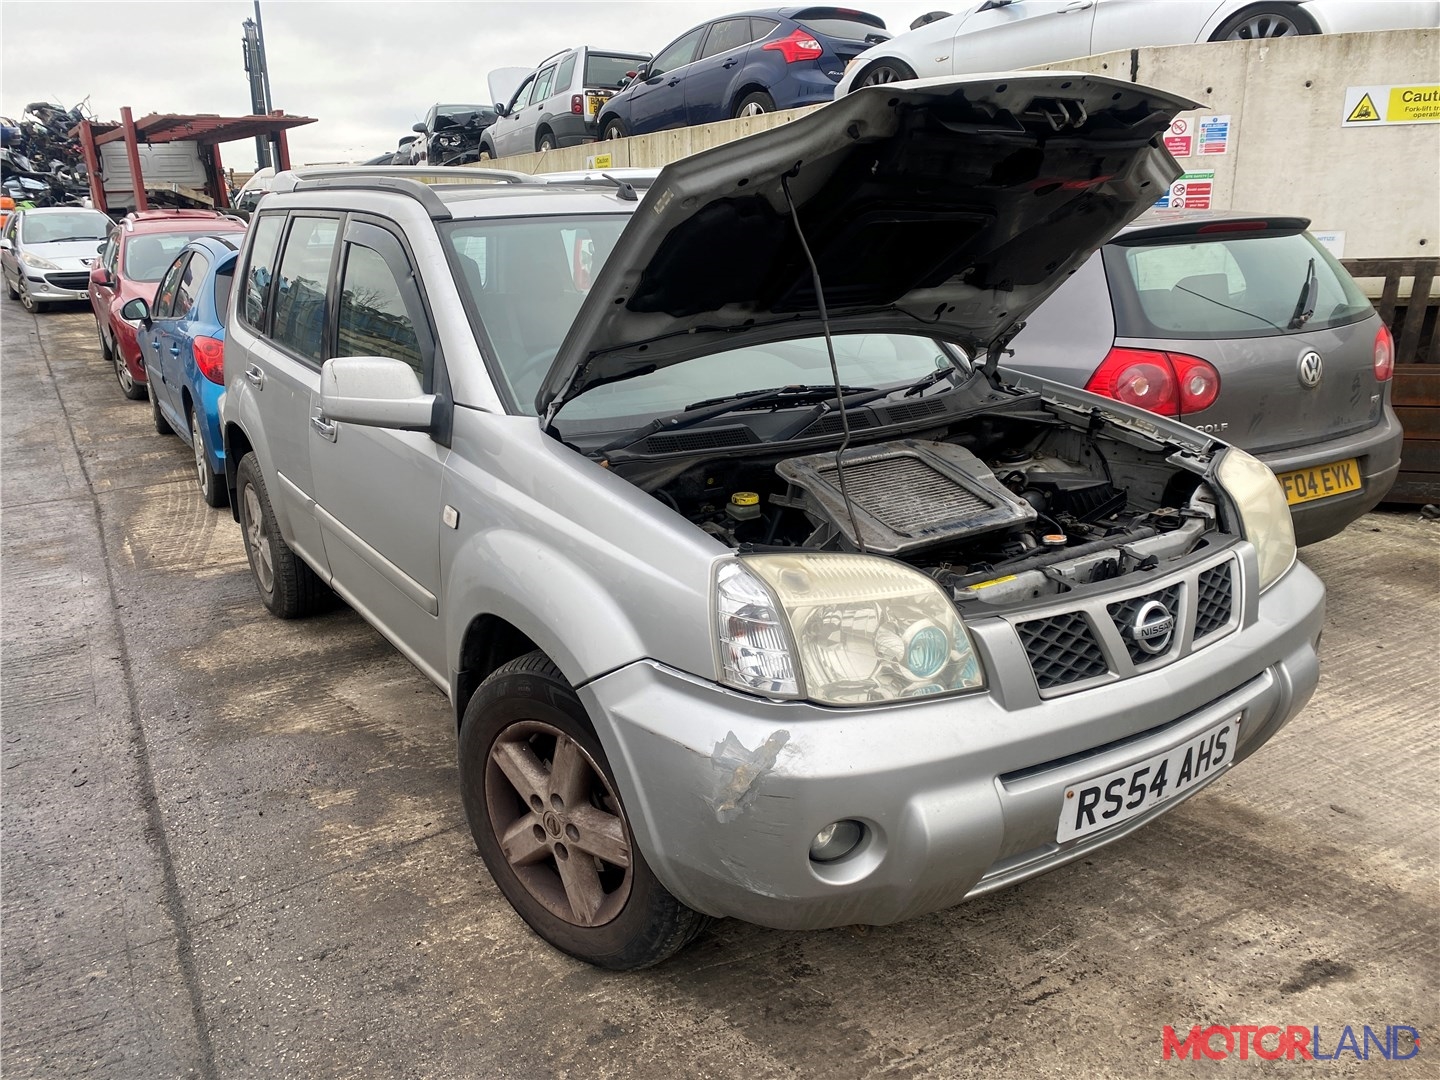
<point>1008,506</point>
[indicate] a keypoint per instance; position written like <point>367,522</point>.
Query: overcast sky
<point>366,71</point>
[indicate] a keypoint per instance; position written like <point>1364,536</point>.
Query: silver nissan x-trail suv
<point>758,589</point>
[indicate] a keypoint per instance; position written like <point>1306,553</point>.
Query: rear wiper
<point>698,412</point>
<point>1305,306</point>
<point>1230,307</point>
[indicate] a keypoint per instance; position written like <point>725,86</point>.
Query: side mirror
<point>419,128</point>
<point>501,109</point>
<point>5,244</point>
<point>136,310</point>
<point>375,391</point>
<point>100,276</point>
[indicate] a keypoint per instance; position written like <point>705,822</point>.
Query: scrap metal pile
<point>41,162</point>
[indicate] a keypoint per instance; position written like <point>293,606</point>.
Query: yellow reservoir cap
<point>745,498</point>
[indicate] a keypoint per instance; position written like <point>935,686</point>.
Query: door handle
<point>673,82</point>
<point>174,348</point>
<point>1079,5</point>
<point>256,376</point>
<point>729,64</point>
<point>324,428</point>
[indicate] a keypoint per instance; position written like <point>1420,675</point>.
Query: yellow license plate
<point>1320,482</point>
<point>593,103</point>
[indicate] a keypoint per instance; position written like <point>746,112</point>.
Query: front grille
<point>1062,649</point>
<point>1214,600</point>
<point>70,280</point>
<point>1124,614</point>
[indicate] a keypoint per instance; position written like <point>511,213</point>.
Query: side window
<point>260,269</point>
<point>224,285</point>
<point>168,291</point>
<point>190,283</point>
<point>566,74</point>
<point>678,54</point>
<point>542,84</point>
<point>110,255</point>
<point>522,96</point>
<point>761,28</point>
<point>727,35</point>
<point>300,285</point>
<point>373,319</point>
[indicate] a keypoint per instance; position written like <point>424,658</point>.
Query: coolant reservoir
<point>744,506</point>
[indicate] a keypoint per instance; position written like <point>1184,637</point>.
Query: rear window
<point>1244,286</point>
<point>835,25</point>
<point>609,72</point>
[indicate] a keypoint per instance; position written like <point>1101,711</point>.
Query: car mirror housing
<point>375,391</point>
<point>136,310</point>
<point>99,275</point>
<point>418,128</point>
<point>5,245</point>
<point>501,109</point>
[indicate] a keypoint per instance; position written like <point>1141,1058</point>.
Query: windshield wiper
<point>67,239</point>
<point>1305,305</point>
<point>698,412</point>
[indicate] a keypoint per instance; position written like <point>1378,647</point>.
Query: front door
<point>377,491</point>
<point>1023,34</point>
<point>659,101</point>
<point>160,346</point>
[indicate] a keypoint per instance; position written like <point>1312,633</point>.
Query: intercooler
<point>906,495</point>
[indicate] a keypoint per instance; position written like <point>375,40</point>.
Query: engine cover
<point>908,494</point>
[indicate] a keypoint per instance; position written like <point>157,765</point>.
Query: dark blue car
<point>182,342</point>
<point>742,65</point>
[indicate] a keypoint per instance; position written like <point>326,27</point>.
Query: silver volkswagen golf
<point>757,590</point>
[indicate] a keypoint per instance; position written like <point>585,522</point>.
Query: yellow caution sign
<point>1364,111</point>
<point>1373,106</point>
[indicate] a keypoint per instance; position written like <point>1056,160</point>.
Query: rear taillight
<point>210,358</point>
<point>1384,354</point>
<point>798,46</point>
<point>577,104</point>
<point>1171,384</point>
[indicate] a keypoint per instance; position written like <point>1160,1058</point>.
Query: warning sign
<point>1179,140</point>
<point>1375,106</point>
<point>1192,191</point>
<point>600,161</point>
<point>1214,134</point>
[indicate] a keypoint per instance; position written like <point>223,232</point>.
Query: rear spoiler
<point>1190,228</point>
<point>838,13</point>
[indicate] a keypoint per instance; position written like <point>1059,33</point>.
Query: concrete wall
<point>1286,153</point>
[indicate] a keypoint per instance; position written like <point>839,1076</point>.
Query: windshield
<point>526,280</point>
<point>147,256</point>
<point>50,228</point>
<point>1243,286</point>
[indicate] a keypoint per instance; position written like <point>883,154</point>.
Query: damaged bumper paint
<point>958,797</point>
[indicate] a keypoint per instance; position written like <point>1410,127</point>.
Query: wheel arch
<point>237,445</point>
<point>1222,18</point>
<point>747,85</point>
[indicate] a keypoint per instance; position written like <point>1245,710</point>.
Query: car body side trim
<point>387,569</point>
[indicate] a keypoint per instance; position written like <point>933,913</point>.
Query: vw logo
<point>1153,627</point>
<point>1310,370</point>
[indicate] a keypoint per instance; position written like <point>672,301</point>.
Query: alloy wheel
<point>122,373</point>
<point>751,108</point>
<point>257,538</point>
<point>197,443</point>
<point>1264,25</point>
<point>558,823</point>
<point>882,75</point>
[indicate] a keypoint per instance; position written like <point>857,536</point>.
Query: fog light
<point>836,840</point>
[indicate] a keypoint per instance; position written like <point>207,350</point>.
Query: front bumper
<point>52,285</point>
<point>959,796</point>
<point>1377,452</point>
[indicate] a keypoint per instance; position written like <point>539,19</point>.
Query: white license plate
<point>1103,801</point>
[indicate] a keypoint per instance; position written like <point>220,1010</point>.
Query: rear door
<point>709,78</point>
<point>169,344</point>
<point>377,491</point>
<point>1230,298</point>
<point>283,308</point>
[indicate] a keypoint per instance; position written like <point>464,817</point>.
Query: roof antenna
<point>627,189</point>
<point>834,367</point>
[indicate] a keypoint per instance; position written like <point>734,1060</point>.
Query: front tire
<point>288,587</point>
<point>105,349</point>
<point>756,103</point>
<point>29,303</point>
<point>128,386</point>
<point>545,814</point>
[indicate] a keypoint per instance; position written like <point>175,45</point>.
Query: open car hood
<point>950,207</point>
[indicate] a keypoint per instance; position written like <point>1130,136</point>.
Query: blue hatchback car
<point>182,343</point>
<point>742,65</point>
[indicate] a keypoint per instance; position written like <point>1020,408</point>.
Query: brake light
<point>1170,384</point>
<point>797,47</point>
<point>210,358</point>
<point>1384,354</point>
<point>1234,226</point>
<point>577,104</point>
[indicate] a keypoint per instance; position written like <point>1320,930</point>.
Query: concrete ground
<point>233,846</point>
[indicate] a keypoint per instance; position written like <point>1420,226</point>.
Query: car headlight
<point>1264,513</point>
<point>36,262</point>
<point>838,629</point>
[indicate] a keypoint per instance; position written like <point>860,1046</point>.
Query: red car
<point>137,254</point>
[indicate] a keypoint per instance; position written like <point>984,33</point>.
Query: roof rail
<point>418,182</point>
